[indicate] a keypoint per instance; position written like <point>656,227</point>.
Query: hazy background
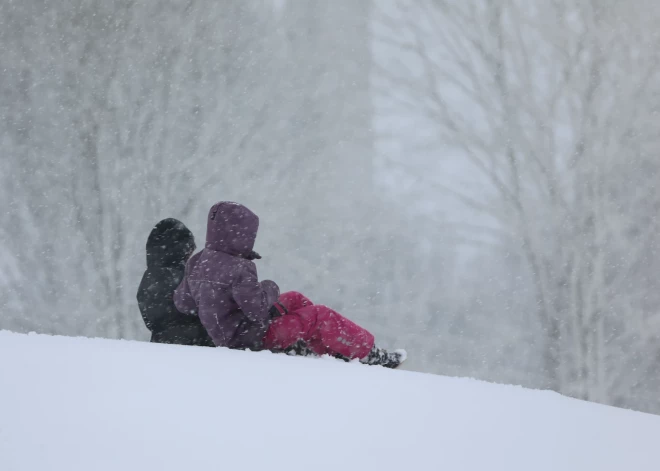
<point>474,181</point>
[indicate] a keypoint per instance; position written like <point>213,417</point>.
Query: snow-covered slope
<point>87,404</point>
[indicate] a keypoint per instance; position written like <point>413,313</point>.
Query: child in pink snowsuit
<point>238,311</point>
<point>323,330</point>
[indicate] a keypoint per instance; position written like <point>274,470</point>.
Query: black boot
<point>381,357</point>
<point>300,349</point>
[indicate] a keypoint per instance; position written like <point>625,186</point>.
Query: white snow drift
<point>88,404</point>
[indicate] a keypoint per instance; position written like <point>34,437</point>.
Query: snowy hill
<point>87,404</point>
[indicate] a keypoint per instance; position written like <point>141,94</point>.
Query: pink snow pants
<point>324,331</point>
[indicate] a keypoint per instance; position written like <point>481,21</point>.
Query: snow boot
<point>300,349</point>
<point>381,357</point>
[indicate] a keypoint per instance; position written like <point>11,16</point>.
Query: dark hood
<point>170,243</point>
<point>232,229</point>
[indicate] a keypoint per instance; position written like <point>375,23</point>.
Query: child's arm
<point>255,299</point>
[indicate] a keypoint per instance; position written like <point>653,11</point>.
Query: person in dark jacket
<point>169,246</point>
<point>239,311</point>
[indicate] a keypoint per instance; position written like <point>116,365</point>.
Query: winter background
<point>474,181</point>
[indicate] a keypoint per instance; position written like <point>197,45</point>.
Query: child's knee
<point>293,300</point>
<point>324,312</point>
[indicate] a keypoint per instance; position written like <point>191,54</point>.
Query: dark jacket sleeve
<point>154,299</point>
<point>183,298</point>
<point>166,323</point>
<point>254,298</point>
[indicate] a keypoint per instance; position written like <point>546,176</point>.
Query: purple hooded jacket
<point>221,284</point>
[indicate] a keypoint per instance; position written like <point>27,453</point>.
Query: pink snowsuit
<point>324,331</point>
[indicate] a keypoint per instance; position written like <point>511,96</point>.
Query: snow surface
<point>90,404</point>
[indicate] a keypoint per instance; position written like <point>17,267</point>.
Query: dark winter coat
<point>221,283</point>
<point>168,247</point>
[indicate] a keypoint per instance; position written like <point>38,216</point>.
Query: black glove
<point>253,256</point>
<point>274,312</point>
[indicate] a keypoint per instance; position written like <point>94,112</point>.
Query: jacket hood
<point>170,243</point>
<point>232,229</point>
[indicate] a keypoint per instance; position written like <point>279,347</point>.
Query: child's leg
<point>324,331</point>
<point>292,301</point>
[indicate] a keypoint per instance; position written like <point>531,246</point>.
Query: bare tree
<point>547,103</point>
<point>116,114</point>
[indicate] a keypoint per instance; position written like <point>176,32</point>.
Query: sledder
<point>221,287</point>
<point>169,247</point>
